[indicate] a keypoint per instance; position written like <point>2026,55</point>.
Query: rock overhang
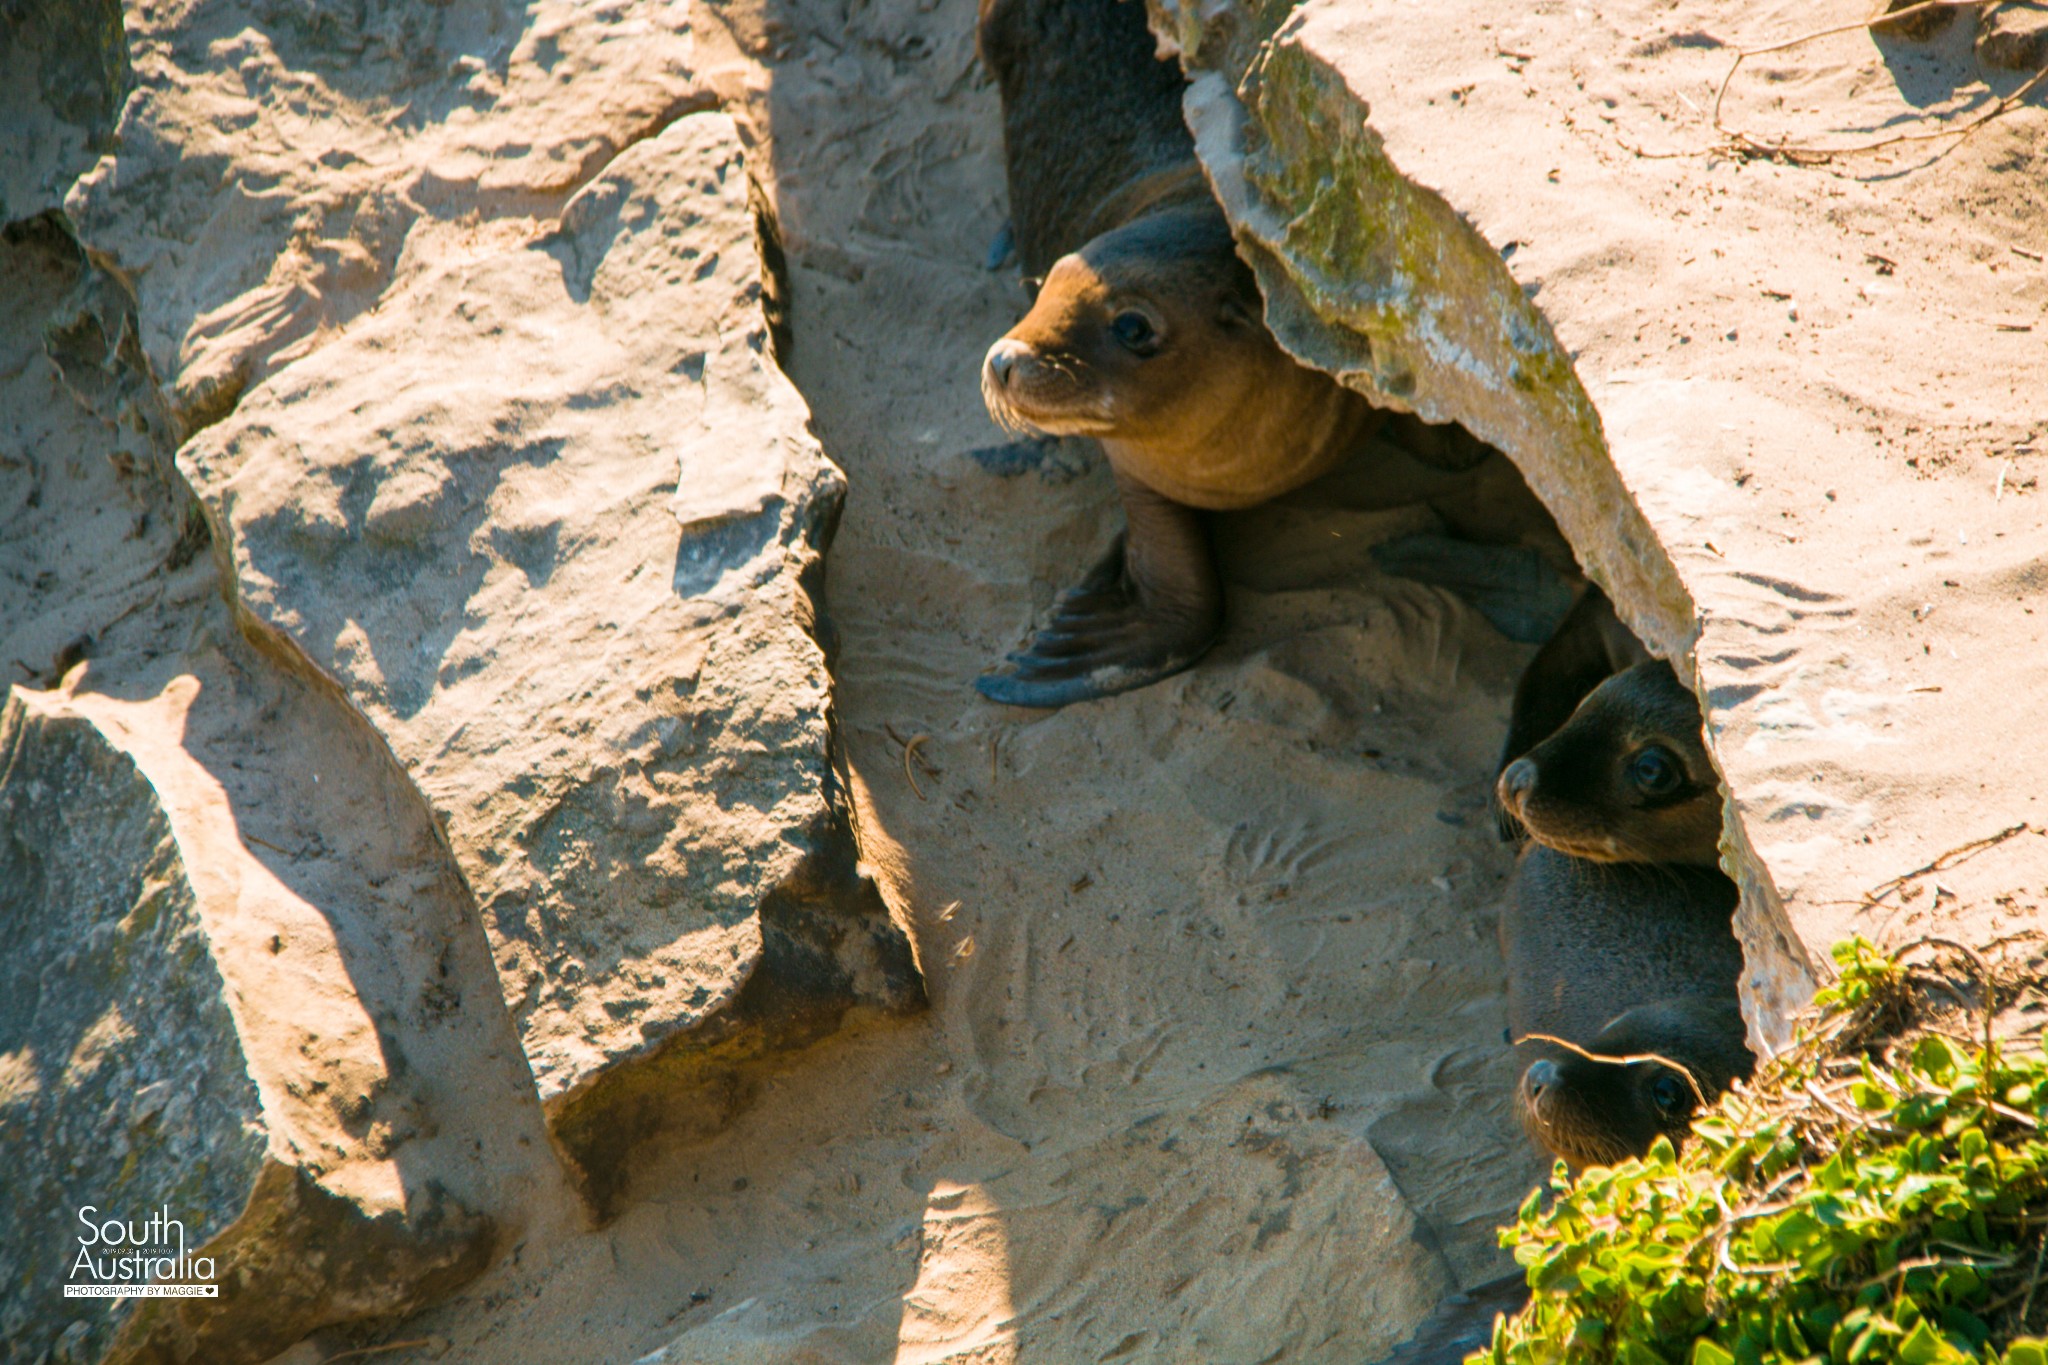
<point>1432,221</point>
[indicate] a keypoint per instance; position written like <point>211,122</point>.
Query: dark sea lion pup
<point>1626,779</point>
<point>1588,945</point>
<point>1146,335</point>
<point>1597,1112</point>
<point>1593,1113</point>
<point>1589,646</point>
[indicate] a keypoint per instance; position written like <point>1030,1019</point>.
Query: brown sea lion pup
<point>1146,334</point>
<point>1595,1113</point>
<point>1626,779</point>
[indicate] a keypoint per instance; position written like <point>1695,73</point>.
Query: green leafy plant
<point>1879,1195</point>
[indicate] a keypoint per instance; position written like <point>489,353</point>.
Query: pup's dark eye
<point>1134,332</point>
<point>1656,772</point>
<point>1671,1095</point>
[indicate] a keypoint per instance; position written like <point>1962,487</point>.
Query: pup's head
<point>1595,1113</point>
<point>1626,779</point>
<point>1147,333</point>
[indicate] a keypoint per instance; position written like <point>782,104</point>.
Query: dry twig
<point>1950,858</point>
<point>909,754</point>
<point>1630,1059</point>
<point>1737,141</point>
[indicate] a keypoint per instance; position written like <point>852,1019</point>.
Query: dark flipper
<point>1590,646</point>
<point>1462,1323</point>
<point>1512,586</point>
<point>1150,609</point>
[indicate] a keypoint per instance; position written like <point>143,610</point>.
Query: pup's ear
<point>1237,313</point>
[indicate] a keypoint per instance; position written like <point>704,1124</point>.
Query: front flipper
<point>1151,608</point>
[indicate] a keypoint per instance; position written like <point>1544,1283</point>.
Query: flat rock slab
<point>278,166</point>
<point>1784,406</point>
<point>549,519</point>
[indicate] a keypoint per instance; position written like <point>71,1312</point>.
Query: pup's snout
<point>1003,360</point>
<point>1517,780</point>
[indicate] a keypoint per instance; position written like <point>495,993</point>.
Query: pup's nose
<point>1517,780</point>
<point>1003,358</point>
<point>1541,1076</point>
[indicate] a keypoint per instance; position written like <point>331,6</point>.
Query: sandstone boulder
<point>276,163</point>
<point>182,1051</point>
<point>552,520</point>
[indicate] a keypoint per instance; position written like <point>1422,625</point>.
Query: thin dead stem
<point>1735,140</point>
<point>1698,1094</point>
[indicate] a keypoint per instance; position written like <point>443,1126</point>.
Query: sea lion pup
<point>1146,334</point>
<point>1589,646</point>
<point>1626,779</point>
<point>1587,942</point>
<point>1595,1113</point>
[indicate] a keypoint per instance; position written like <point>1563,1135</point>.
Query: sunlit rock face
<point>400,491</point>
<point>552,519</point>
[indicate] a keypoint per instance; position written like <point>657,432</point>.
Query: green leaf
<point>1707,1352</point>
<point>1966,1325</point>
<point>1933,1055</point>
<point>1925,1346</point>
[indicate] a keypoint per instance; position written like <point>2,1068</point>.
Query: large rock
<point>1514,218</point>
<point>63,75</point>
<point>180,1038</point>
<point>551,519</point>
<point>278,163</point>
